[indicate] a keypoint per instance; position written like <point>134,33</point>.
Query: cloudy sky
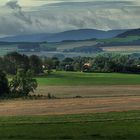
<point>36,16</point>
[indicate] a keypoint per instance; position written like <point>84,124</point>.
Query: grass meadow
<point>80,78</point>
<point>103,126</point>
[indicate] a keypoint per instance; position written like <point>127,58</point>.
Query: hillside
<point>81,34</point>
<point>134,32</point>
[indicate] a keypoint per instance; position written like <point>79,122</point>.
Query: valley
<point>74,48</point>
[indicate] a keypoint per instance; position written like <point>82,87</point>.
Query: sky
<point>18,17</point>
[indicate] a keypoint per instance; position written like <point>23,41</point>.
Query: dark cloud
<point>14,5</point>
<point>18,12</point>
<point>106,14</point>
<point>16,21</point>
<point>8,27</point>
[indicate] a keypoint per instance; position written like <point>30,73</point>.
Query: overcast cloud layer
<point>37,16</point>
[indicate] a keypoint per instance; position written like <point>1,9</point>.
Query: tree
<point>23,83</point>
<point>48,65</point>
<point>13,61</point>
<point>4,88</point>
<point>56,62</point>
<point>36,64</point>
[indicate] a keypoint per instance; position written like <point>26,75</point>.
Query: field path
<point>68,106</point>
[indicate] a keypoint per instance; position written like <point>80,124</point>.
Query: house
<point>86,67</point>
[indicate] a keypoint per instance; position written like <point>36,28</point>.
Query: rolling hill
<point>81,34</point>
<point>134,32</point>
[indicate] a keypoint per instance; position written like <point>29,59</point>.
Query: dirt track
<point>68,106</point>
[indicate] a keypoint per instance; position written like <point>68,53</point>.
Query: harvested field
<point>90,91</point>
<point>68,106</point>
<point>122,48</point>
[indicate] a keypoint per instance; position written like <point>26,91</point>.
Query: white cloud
<point>33,16</point>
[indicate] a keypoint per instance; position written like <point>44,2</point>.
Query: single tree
<point>23,83</point>
<point>36,64</point>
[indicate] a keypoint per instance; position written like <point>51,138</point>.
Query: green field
<point>79,78</point>
<point>115,39</point>
<point>104,126</point>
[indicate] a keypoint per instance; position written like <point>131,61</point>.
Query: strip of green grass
<point>79,78</point>
<point>126,39</point>
<point>106,126</point>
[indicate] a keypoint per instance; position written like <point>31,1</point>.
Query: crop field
<point>73,44</point>
<point>127,39</point>
<point>68,106</point>
<point>61,46</point>
<point>122,49</point>
<point>101,126</point>
<point>89,91</point>
<point>72,84</point>
<point>88,106</point>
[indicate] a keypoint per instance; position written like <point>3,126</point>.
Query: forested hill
<point>135,32</point>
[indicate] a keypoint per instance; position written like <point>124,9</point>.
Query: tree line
<point>106,62</point>
<point>11,62</point>
<point>117,63</point>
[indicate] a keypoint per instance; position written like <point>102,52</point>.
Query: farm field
<point>61,46</point>
<point>72,84</point>
<point>101,126</point>
<point>90,91</point>
<point>88,106</point>
<point>122,49</point>
<point>68,106</point>
<point>79,78</point>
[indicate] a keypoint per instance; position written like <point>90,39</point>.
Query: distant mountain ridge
<point>133,32</point>
<point>81,34</point>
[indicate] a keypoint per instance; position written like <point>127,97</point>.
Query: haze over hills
<point>81,34</point>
